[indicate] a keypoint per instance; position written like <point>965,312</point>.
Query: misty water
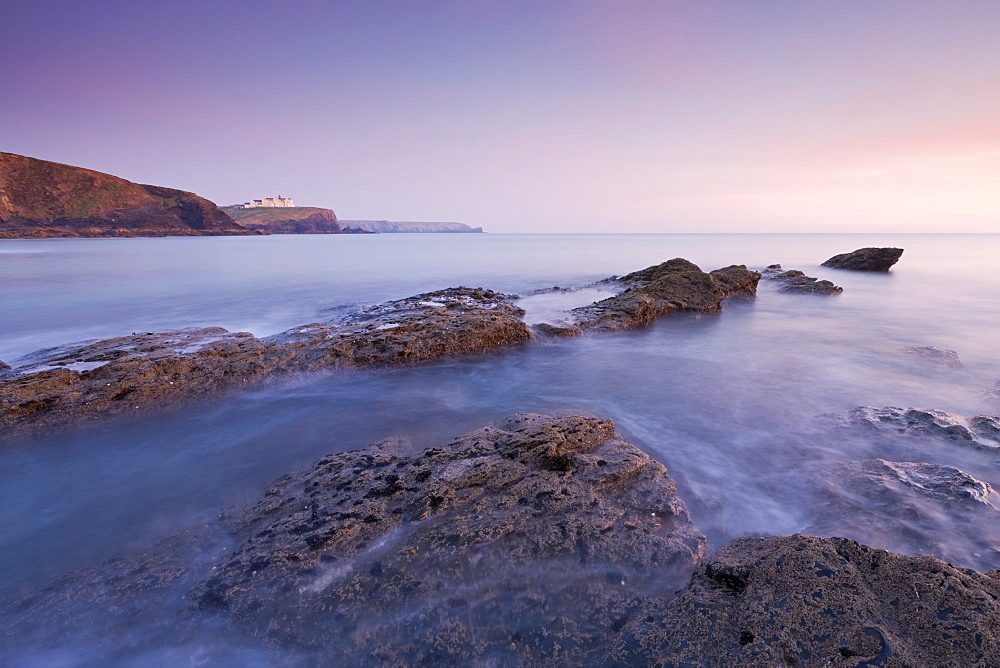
<point>727,402</point>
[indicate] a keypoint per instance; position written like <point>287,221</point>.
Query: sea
<point>729,402</point>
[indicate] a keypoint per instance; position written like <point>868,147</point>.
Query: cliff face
<point>48,199</point>
<point>386,226</point>
<point>288,220</point>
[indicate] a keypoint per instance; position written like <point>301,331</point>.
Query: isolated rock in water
<point>910,507</point>
<point>672,286</point>
<point>794,280</point>
<point>802,600</point>
<point>154,371</point>
<point>451,322</point>
<point>532,540</point>
<point>937,356</point>
<point>916,423</point>
<point>558,330</point>
<point>866,259</point>
<point>4,366</point>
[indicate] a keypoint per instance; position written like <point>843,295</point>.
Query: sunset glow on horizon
<point>584,116</point>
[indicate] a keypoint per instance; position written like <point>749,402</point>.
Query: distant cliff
<point>48,199</point>
<point>290,220</point>
<point>401,226</point>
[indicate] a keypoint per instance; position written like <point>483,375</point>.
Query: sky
<point>533,116</point>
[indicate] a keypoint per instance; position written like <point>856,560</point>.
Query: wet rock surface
<point>866,259</point>
<point>933,355</point>
<point>910,507</point>
<point>670,287</point>
<point>802,600</point>
<point>541,540</point>
<point>534,539</point>
<point>892,421</point>
<point>155,371</point>
<point>794,280</point>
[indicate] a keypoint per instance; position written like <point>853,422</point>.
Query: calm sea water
<point>726,402</point>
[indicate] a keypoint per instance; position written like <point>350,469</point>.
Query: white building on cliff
<point>273,202</point>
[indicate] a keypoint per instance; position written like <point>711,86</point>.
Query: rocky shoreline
<point>540,539</point>
<point>130,375</point>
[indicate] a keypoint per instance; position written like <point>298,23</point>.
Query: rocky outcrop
<point>47,199</point>
<point>866,259</point>
<point>673,286</point>
<point>935,356</point>
<point>156,371</point>
<point>892,421</point>
<point>807,601</point>
<point>794,280</point>
<point>529,540</point>
<point>291,220</point>
<point>534,540</point>
<point>445,323</point>
<point>540,540</point>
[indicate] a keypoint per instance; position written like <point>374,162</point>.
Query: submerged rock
<point>866,259</point>
<point>920,423</point>
<point>669,287</point>
<point>154,371</point>
<point>558,330</point>
<point>937,356</point>
<point>911,507</point>
<point>802,600</point>
<point>794,280</point>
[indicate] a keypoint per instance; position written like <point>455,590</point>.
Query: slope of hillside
<point>39,198</point>
<point>290,220</point>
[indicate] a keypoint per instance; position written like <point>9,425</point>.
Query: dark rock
<point>47,199</point>
<point>802,600</point>
<point>986,427</point>
<point>558,330</point>
<point>937,356</point>
<point>4,366</point>
<point>899,422</point>
<point>794,280</point>
<point>866,259</point>
<point>673,286</point>
<point>156,371</point>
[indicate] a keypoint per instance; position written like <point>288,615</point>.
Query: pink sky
<point>549,116</point>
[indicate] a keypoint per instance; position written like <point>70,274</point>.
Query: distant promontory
<point>406,226</point>
<point>290,220</point>
<point>41,199</point>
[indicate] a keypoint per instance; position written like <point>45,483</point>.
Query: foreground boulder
<point>794,280</point>
<point>866,259</point>
<point>155,371</point>
<point>39,198</point>
<point>541,540</point>
<point>802,600</point>
<point>673,286</point>
<point>533,540</point>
